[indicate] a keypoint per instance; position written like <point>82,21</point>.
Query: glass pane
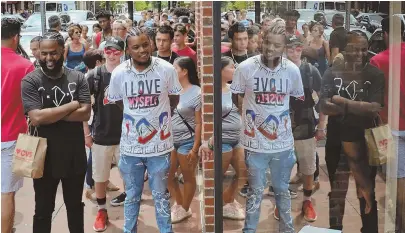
<point>329,156</point>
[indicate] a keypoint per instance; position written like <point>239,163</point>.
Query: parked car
<point>33,24</point>
<point>34,21</point>
<point>77,16</point>
<point>354,25</point>
<point>330,13</point>
<point>306,15</point>
<point>16,16</point>
<point>370,21</point>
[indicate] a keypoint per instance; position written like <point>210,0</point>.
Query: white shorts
<point>305,151</point>
<point>9,181</point>
<point>102,158</point>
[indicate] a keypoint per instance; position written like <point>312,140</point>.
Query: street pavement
<point>352,223</point>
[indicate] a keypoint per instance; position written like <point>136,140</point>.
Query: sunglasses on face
<point>295,49</point>
<point>112,51</point>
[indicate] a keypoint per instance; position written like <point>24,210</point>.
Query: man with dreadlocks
<point>147,89</point>
<point>13,70</point>
<point>266,82</point>
<point>57,101</point>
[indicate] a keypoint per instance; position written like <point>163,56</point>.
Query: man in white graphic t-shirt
<point>148,90</point>
<point>266,83</point>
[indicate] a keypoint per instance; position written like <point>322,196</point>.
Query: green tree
<point>240,5</point>
<point>165,4</point>
<point>225,5</point>
<point>113,5</point>
<point>141,5</point>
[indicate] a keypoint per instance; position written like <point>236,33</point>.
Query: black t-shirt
<point>237,59</point>
<point>107,116</point>
<point>338,39</point>
<point>66,154</point>
<point>367,86</point>
<point>169,59</point>
<point>304,116</point>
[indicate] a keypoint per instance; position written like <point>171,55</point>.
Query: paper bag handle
<point>377,120</point>
<point>35,134</point>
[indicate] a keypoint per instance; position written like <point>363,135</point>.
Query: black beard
<point>146,64</point>
<point>267,62</point>
<point>55,71</point>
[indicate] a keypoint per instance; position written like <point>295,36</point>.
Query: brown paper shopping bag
<point>380,144</point>
<point>29,156</point>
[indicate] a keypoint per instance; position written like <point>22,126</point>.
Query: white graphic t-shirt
<point>266,112</point>
<point>146,125</point>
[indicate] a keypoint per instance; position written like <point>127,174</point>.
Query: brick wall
<point>205,71</point>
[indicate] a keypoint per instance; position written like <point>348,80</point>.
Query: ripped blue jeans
<point>280,165</point>
<point>132,171</point>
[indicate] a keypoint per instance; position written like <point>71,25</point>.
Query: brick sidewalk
<point>147,223</point>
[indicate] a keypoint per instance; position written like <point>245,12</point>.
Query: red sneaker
<point>276,214</point>
<point>101,222</point>
<point>309,211</point>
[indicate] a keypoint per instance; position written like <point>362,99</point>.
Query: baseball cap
<point>293,40</point>
<point>116,43</point>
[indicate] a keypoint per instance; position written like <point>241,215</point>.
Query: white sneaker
<point>179,214</point>
<point>233,211</point>
<point>174,207</point>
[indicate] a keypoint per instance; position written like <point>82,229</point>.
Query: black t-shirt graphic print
<point>367,86</point>
<point>66,150</point>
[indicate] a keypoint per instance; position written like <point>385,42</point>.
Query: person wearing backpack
<point>106,128</point>
<point>304,120</point>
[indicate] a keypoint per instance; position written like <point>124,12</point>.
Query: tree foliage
<point>233,5</point>
<point>113,5</point>
<point>141,5</point>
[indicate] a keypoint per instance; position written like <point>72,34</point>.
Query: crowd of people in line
<point>131,94</point>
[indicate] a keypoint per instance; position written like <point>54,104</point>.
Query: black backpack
<point>302,112</point>
<point>96,85</point>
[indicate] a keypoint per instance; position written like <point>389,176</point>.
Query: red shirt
<point>186,52</point>
<point>13,69</point>
<point>381,61</point>
<point>224,49</point>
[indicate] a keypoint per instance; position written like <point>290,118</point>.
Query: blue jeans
<point>132,170</point>
<point>184,147</point>
<point>228,146</point>
<point>280,165</point>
